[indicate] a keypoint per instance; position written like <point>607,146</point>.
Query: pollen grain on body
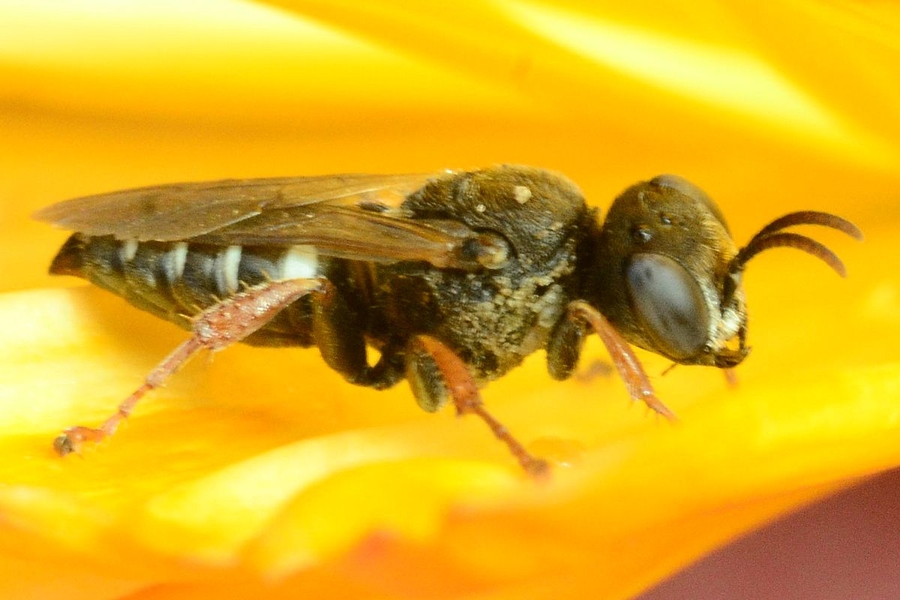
<point>522,193</point>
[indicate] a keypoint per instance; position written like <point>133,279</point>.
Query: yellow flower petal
<point>261,473</point>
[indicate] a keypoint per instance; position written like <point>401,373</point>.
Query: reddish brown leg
<point>462,389</point>
<point>731,377</point>
<point>623,357</point>
<point>217,327</point>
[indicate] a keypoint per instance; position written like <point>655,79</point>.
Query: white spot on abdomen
<point>128,250</point>
<point>298,262</point>
<point>229,263</point>
<point>175,260</point>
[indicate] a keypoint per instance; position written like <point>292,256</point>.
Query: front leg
<point>564,349</point>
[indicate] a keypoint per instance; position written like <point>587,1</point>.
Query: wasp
<point>452,277</point>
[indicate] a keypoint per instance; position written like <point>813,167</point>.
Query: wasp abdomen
<point>177,280</point>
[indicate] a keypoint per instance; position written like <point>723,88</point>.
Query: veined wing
<point>180,211</point>
<point>349,216</point>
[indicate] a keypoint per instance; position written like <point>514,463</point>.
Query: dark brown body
<point>492,318</point>
<point>454,278</point>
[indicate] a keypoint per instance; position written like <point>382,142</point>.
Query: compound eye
<point>669,303</point>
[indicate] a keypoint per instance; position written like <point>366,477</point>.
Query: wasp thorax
<point>666,284</point>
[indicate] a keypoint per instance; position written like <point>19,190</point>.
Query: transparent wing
<point>181,211</point>
<point>351,216</point>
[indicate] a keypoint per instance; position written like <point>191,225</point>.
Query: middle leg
<point>436,374</point>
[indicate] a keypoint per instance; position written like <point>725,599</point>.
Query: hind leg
<point>215,328</point>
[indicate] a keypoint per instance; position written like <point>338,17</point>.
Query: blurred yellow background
<point>770,108</point>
